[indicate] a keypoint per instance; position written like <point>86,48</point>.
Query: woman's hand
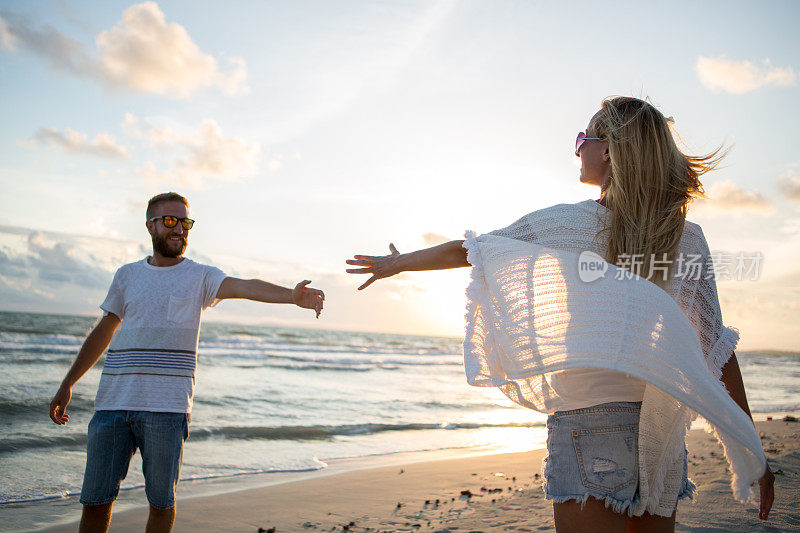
<point>307,297</point>
<point>766,487</point>
<point>382,266</point>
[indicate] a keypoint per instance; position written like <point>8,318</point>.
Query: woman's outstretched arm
<point>732,378</point>
<point>448,255</point>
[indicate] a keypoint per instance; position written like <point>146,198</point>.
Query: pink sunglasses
<point>581,139</point>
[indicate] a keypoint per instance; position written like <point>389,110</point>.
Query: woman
<point>639,223</point>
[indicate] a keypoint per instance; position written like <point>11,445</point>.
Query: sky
<point>305,132</point>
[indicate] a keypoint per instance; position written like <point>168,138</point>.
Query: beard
<point>168,248</point>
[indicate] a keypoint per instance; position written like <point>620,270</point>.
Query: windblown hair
<point>652,184</point>
<point>164,197</point>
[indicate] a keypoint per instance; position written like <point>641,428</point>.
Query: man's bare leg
<point>96,518</point>
<point>160,520</point>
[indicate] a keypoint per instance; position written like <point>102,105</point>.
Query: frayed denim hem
<point>688,490</point>
<point>92,503</point>
<point>160,507</point>
<point>618,506</point>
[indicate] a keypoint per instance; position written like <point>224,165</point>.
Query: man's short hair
<point>164,197</point>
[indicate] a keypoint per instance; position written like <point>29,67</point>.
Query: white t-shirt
<point>152,360</point>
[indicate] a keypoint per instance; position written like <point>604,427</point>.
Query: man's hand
<point>307,297</point>
<point>58,406</point>
<point>93,347</point>
<point>766,486</point>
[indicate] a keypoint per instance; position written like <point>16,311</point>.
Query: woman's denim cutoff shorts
<point>594,452</point>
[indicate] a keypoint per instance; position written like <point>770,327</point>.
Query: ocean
<point>272,399</point>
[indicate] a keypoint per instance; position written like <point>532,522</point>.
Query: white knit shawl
<point>529,314</point>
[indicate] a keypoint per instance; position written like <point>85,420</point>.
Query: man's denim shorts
<point>594,452</point>
<point>113,439</point>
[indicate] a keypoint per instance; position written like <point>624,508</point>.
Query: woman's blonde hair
<point>652,184</point>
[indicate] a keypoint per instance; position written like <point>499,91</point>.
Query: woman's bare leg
<point>651,523</point>
<point>571,517</point>
<point>594,516</point>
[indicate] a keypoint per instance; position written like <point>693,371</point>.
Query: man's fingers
<point>368,282</point>
<point>54,414</point>
<point>392,248</point>
<point>358,270</point>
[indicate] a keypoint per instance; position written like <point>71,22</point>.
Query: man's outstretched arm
<point>93,347</point>
<point>262,291</point>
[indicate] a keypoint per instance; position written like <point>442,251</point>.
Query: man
<point>144,399</point>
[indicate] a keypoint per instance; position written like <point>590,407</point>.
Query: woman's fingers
<point>393,249</point>
<point>359,262</point>
<point>368,282</point>
<point>767,493</point>
<point>358,270</point>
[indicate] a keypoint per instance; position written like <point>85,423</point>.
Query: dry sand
<point>504,495</point>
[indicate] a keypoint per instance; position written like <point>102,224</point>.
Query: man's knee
<point>98,510</point>
<point>95,518</point>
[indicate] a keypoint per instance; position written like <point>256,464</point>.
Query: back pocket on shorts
<point>608,457</point>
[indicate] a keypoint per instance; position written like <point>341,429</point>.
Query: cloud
<point>151,175</point>
<point>103,145</point>
<point>145,52</point>
<point>789,185</point>
<point>7,39</point>
<point>54,262</point>
<point>725,196</point>
<point>130,126</point>
<point>141,52</point>
<point>60,51</point>
<point>720,74</point>
<point>208,154</point>
<point>432,239</point>
<point>56,272</point>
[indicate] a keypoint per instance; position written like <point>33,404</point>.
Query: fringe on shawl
<point>474,294</point>
<point>743,490</point>
<point>722,350</point>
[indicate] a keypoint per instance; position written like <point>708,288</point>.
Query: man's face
<point>168,242</point>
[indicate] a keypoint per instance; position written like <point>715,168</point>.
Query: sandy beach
<point>499,492</point>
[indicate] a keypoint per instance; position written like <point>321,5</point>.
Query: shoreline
<point>366,491</point>
<point>54,513</point>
